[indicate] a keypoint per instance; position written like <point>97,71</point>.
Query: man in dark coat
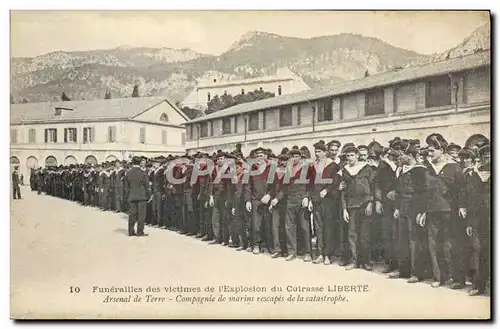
<point>15,183</point>
<point>323,197</point>
<point>218,195</point>
<point>118,186</point>
<point>479,222</point>
<point>139,192</point>
<point>446,199</point>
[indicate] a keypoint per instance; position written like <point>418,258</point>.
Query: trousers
<point>411,245</point>
<point>359,236</point>
<point>295,218</point>
<point>137,214</point>
<point>480,256</point>
<point>439,228</point>
<point>323,226</point>
<point>219,221</point>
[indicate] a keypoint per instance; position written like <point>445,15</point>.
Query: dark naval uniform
<point>479,221</point>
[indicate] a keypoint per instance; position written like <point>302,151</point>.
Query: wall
<point>406,100</point>
<point>350,106</point>
<point>405,116</point>
<point>153,115</point>
<point>127,142</point>
<point>477,86</point>
<point>153,140</point>
<point>289,84</point>
<point>454,126</point>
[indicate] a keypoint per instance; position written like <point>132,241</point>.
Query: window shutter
<point>46,135</point>
<point>75,131</point>
<point>85,135</point>
<point>143,135</point>
<point>55,135</point>
<point>92,134</point>
<point>65,135</point>
<point>163,137</point>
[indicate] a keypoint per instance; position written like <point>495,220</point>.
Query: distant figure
<point>22,179</point>
<point>139,192</point>
<point>15,183</point>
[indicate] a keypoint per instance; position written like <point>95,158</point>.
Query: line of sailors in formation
<point>423,211</point>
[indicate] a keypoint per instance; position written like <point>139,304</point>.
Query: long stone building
<point>63,133</point>
<point>284,82</point>
<point>451,97</point>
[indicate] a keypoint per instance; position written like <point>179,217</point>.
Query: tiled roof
<point>271,78</point>
<point>377,80</point>
<point>92,110</point>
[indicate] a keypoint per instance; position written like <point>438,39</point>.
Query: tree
<point>65,97</point>
<point>214,105</point>
<point>191,113</point>
<point>135,92</point>
<point>367,74</point>
<point>107,95</point>
<point>226,100</point>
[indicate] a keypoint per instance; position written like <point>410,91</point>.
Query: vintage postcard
<point>250,165</point>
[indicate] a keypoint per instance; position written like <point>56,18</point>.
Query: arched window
<point>31,162</point>
<point>70,160</point>
<point>14,161</point>
<point>91,160</point>
<point>111,158</point>
<point>50,161</point>
<point>164,117</point>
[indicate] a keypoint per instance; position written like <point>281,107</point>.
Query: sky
<point>36,33</point>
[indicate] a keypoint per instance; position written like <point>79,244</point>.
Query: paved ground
<point>57,244</point>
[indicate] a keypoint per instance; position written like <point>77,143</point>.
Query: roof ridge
<point>322,92</point>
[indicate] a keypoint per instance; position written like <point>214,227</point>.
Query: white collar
<point>354,170</point>
<point>390,163</point>
<point>439,167</point>
<point>406,168</point>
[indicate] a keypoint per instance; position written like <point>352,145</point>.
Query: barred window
<point>70,135</point>
<point>88,135</point>
<point>204,129</point>
<point>142,136</point>
<point>32,136</point>
<point>374,102</point>
<point>253,121</point>
<point>438,92</point>
<point>51,135</point>
<point>226,126</point>
<point>286,116</point>
<point>164,137</point>
<point>325,110</point>
<point>13,136</point>
<point>111,134</point>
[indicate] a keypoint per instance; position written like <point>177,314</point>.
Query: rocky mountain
<point>174,72</point>
<point>479,40</point>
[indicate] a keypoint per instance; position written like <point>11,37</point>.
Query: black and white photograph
<point>252,164</point>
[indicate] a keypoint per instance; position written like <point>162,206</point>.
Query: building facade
<point>283,83</point>
<point>64,133</point>
<point>451,97</point>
